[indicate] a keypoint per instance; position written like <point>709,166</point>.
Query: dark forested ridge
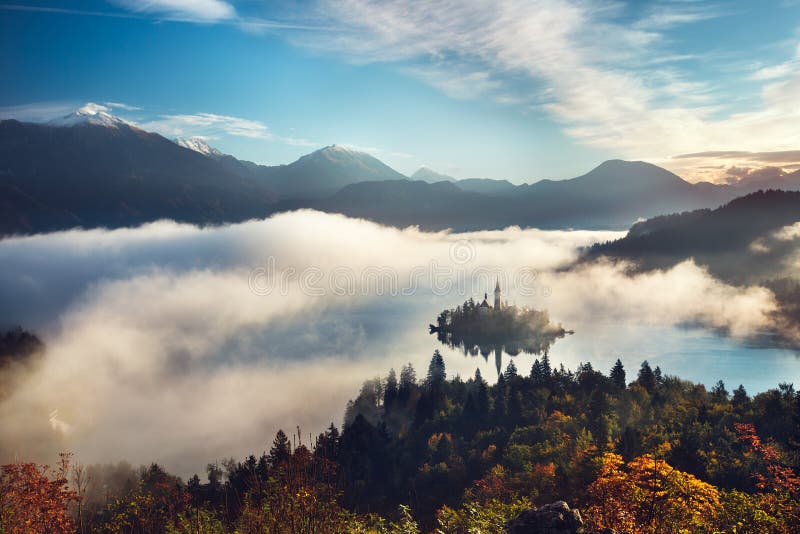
<point>706,233</point>
<point>749,241</point>
<point>18,344</point>
<point>18,351</point>
<point>54,177</point>
<point>644,454</point>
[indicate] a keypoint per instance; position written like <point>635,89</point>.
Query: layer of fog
<point>159,349</point>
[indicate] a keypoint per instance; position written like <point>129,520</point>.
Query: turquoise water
<point>396,332</point>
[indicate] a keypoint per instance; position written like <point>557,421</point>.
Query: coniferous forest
<point>639,451</point>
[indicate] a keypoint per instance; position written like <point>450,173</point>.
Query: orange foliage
<point>780,487</point>
<point>543,478</point>
<point>649,496</point>
<point>779,477</point>
<point>36,498</point>
<point>493,486</point>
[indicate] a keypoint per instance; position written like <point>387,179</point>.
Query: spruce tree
<point>408,379</point>
<point>618,375</point>
<point>390,392</point>
<point>548,371</point>
<point>740,396</point>
<point>481,394</point>
<point>511,371</point>
<point>647,378</point>
<point>281,450</point>
<point>537,373</point>
<point>719,391</point>
<point>436,371</point>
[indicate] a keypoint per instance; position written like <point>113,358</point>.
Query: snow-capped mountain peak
<point>91,113</point>
<point>198,144</point>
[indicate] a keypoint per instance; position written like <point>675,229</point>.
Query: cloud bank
<point>159,349</point>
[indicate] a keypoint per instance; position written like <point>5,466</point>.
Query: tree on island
<point>480,328</point>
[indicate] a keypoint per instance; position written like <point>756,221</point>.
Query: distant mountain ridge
<point>99,174</point>
<point>90,169</point>
<point>325,171</point>
<point>613,195</point>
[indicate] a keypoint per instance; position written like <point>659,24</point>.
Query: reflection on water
<point>395,332</point>
<point>500,327</point>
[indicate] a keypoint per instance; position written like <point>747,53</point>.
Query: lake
<point>223,335</point>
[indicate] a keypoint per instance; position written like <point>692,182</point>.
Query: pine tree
<point>436,371</point>
<point>281,450</point>
<point>408,379</point>
<point>617,375</point>
<point>327,444</point>
<point>647,378</point>
<point>390,392</point>
<point>740,396</point>
<point>719,391</point>
<point>481,394</point>
<point>408,376</point>
<point>511,371</point>
<point>537,373</point>
<point>548,371</point>
<point>499,408</point>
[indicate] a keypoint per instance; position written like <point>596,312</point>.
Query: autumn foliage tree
<point>647,495</point>
<point>778,484</point>
<point>36,498</point>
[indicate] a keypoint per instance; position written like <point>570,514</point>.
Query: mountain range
<point>93,169</point>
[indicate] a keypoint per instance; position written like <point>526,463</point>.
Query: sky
<point>507,89</point>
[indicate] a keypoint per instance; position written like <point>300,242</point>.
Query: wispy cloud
<point>67,11</point>
<point>731,166</point>
<point>120,105</point>
<point>671,14</point>
<point>585,64</point>
<point>780,70</point>
<point>203,12</point>
<point>781,156</point>
<point>213,125</point>
<point>464,85</point>
<point>200,10</point>
<point>36,111</point>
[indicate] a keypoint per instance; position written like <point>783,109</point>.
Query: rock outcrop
<point>555,518</point>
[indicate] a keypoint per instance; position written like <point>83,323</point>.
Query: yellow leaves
<point>649,496</point>
<point>489,453</point>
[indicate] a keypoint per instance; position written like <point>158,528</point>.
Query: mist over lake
<point>277,322</point>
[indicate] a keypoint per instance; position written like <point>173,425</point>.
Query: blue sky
<point>511,89</point>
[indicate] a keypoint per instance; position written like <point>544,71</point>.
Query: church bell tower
<point>497,295</point>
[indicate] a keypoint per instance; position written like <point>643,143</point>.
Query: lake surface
<point>160,348</point>
<point>397,332</point>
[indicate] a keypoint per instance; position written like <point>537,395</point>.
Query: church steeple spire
<point>497,295</point>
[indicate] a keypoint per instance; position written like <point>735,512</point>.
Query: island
<point>484,328</point>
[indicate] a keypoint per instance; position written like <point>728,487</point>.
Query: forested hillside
<point>651,454</point>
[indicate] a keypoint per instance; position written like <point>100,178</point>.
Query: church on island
<point>484,306</point>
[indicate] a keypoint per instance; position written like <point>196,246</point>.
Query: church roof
<point>484,304</point>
